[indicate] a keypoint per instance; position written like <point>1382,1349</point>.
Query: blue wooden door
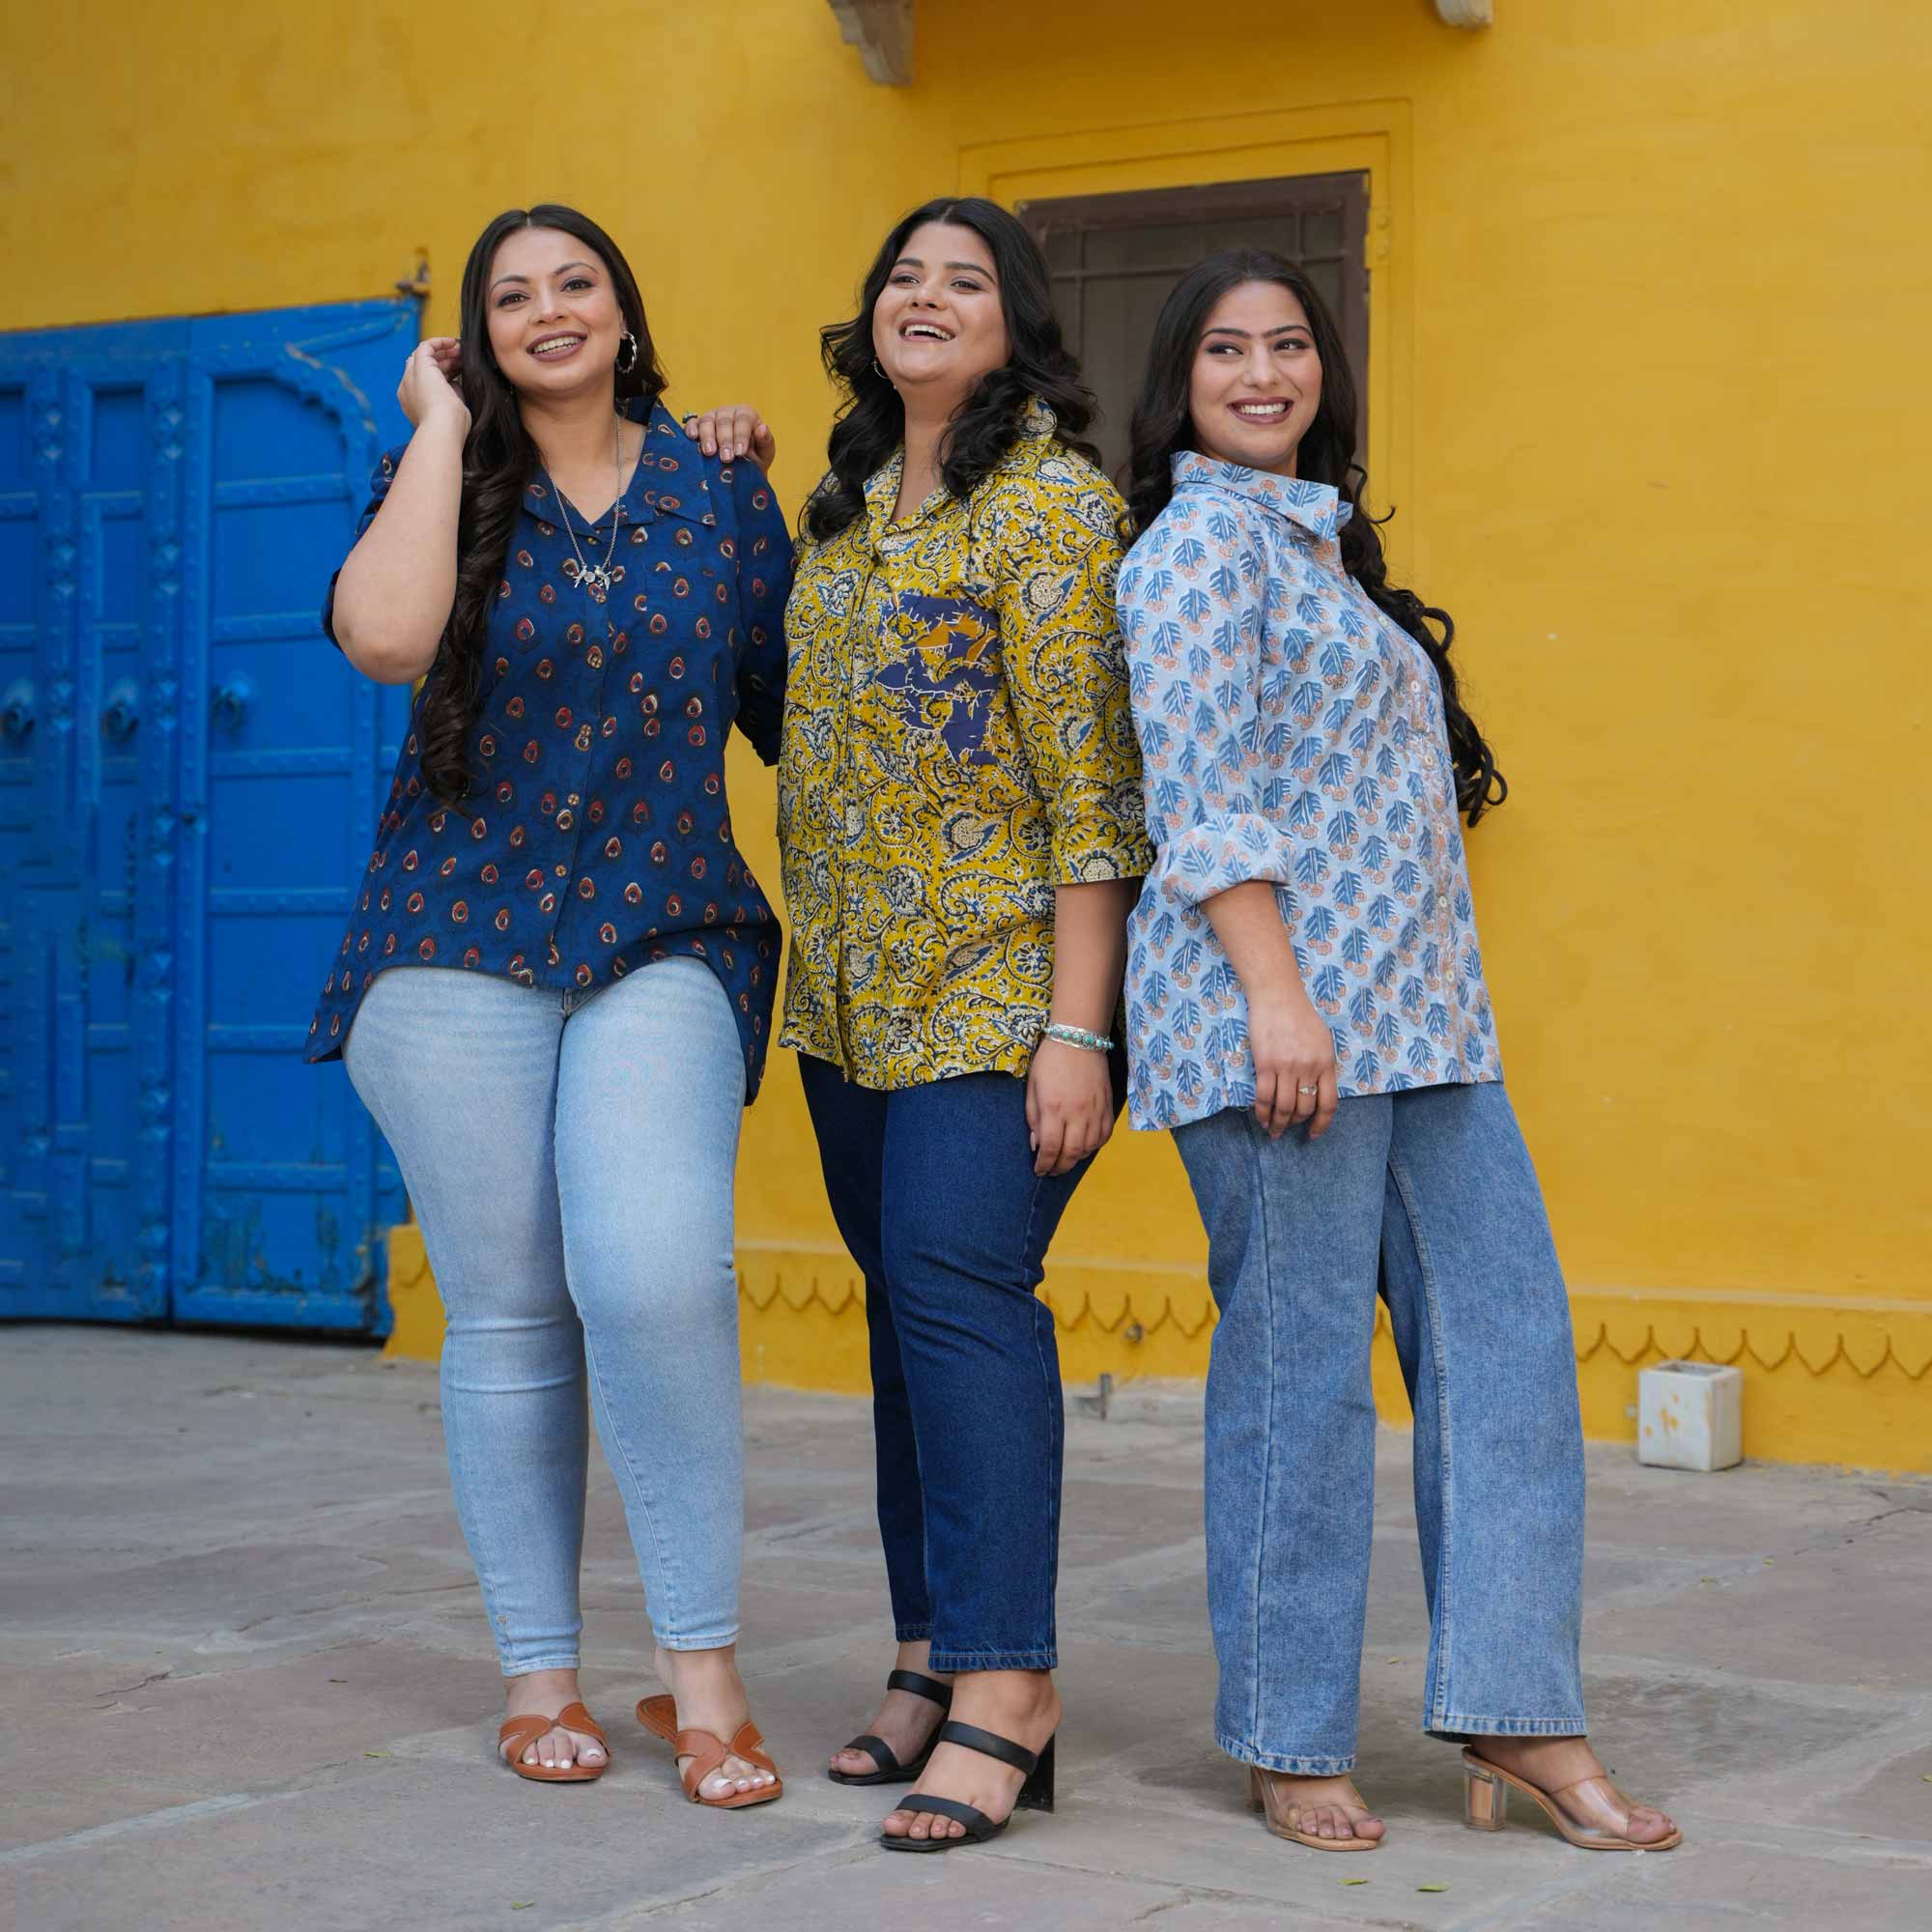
<point>188,782</point>
<point>86,1219</point>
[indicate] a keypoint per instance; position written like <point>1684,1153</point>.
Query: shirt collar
<point>1316,506</point>
<point>882,487</point>
<point>668,481</point>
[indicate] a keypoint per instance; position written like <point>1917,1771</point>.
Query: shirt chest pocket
<point>941,680</point>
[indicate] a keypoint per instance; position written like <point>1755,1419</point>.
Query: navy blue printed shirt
<point>597,837</point>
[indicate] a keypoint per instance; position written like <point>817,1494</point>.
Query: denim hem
<point>949,1662</point>
<point>1459,1729</point>
<point>515,1669</point>
<point>717,1642</point>
<point>911,1632</point>
<point>1284,1761</point>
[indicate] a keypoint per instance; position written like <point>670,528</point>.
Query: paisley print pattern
<point>598,837</point>
<point>957,743</point>
<point>1291,733</point>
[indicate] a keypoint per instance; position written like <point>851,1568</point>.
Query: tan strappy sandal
<point>707,1752</point>
<point>1606,1809</point>
<point>518,1734</point>
<point>1281,1812</point>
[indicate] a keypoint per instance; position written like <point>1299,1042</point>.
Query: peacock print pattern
<point>1290,732</point>
<point>957,743</point>
<point>598,836</point>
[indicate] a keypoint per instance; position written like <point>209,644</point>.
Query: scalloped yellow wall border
<point>1841,1382</point>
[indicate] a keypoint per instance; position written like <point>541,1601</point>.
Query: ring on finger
<point>1307,1090</point>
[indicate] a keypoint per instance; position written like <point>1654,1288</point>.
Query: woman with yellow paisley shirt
<point>960,823</point>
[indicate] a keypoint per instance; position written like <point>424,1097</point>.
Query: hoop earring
<point>879,372</point>
<point>624,368</point>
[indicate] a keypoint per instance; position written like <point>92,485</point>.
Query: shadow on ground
<point>250,1689</point>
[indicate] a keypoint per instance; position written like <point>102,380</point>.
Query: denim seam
<point>954,1661</point>
<point>1511,1728</point>
<point>631,1470</point>
<point>1285,1762</point>
<point>719,1640</point>
<point>516,1667</point>
<point>1046,1396</point>
<point>1260,1199</point>
<point>1445,1623</point>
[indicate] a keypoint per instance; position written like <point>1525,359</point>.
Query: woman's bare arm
<point>393,597</point>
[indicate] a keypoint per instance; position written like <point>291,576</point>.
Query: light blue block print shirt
<point>1290,732</point>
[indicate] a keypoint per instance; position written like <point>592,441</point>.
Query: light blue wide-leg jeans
<point>1429,1194</point>
<point>570,1158</point>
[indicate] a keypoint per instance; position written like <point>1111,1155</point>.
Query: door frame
<point>1371,137</point>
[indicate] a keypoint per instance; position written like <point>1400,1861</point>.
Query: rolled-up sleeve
<point>1192,609</point>
<point>1065,672</point>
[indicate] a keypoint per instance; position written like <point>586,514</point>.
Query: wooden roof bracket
<point>882,32</point>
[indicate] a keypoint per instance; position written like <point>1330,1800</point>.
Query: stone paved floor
<point>247,1688</point>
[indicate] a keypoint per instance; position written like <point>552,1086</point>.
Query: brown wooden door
<point>1114,259</point>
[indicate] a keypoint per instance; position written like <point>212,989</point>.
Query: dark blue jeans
<point>934,1193</point>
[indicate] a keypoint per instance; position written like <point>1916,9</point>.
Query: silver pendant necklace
<point>595,578</point>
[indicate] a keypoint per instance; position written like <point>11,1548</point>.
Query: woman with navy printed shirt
<point>555,990</point>
<point>1307,1012</point>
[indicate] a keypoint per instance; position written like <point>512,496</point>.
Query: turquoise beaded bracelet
<point>1073,1036</point>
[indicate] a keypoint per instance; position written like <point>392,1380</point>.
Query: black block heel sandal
<point>1036,1794</point>
<point>891,1771</point>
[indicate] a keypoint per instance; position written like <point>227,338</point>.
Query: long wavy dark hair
<point>1162,427</point>
<point>872,422</point>
<point>499,459</point>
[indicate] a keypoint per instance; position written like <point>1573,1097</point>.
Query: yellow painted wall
<point>1648,281</point>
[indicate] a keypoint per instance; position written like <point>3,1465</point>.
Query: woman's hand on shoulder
<point>1296,1074</point>
<point>1069,1105</point>
<point>432,386</point>
<point>733,429</point>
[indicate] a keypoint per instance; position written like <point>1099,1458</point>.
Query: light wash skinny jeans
<point>1430,1195</point>
<point>570,1158</point>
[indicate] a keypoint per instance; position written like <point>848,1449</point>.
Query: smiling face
<point>556,322</point>
<point>938,325</point>
<point>1256,382</point>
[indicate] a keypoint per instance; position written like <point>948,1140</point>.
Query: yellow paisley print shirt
<point>958,741</point>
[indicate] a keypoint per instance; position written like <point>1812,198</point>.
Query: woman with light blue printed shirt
<point>1307,1012</point>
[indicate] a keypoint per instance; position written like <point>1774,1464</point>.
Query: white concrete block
<point>1690,1415</point>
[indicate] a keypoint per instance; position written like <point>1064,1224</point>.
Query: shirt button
<point>574,800</point>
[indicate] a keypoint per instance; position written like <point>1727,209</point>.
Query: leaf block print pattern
<point>1290,732</point>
